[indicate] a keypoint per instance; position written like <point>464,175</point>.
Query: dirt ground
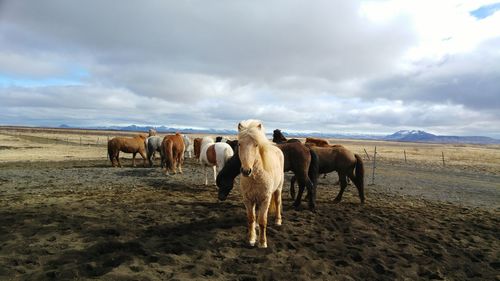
<point>81,219</point>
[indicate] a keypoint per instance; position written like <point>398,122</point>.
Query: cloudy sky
<point>325,66</point>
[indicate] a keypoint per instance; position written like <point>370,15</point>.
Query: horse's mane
<point>255,130</point>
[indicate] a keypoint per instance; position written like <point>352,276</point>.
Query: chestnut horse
<point>298,158</point>
<point>173,153</point>
<point>347,164</point>
<point>197,147</point>
<point>317,142</point>
<point>132,145</point>
<point>262,177</point>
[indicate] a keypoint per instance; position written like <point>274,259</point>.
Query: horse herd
<point>260,162</point>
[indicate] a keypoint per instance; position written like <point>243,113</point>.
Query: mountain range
<point>401,136</point>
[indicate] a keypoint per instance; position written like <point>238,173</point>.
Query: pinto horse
<point>278,137</point>
<point>262,165</point>
<point>347,164</point>
<point>172,149</point>
<point>214,155</point>
<point>298,158</point>
<point>132,145</point>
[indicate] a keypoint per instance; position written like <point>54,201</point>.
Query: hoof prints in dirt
<point>138,224</point>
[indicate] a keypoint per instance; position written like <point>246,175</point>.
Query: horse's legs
<point>118,159</point>
<point>277,204</point>
<point>205,171</point>
<point>343,185</point>
<point>262,219</point>
<point>180,161</point>
<point>296,204</point>
<point>292,187</point>
<point>311,193</point>
<point>252,237</point>
<point>133,159</point>
<point>214,168</point>
<point>359,186</point>
<point>143,157</point>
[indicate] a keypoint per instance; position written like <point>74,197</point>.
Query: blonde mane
<point>255,130</point>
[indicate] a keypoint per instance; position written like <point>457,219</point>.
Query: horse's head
<point>225,178</point>
<point>250,136</point>
<point>151,132</point>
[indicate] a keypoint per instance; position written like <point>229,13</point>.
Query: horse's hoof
<point>336,201</point>
<point>296,207</point>
<point>251,243</point>
<point>278,222</point>
<point>263,245</point>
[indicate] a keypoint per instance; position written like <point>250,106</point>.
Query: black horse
<point>299,159</point>
<point>279,138</point>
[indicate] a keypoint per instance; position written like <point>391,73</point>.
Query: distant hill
<point>422,136</point>
<point>403,135</point>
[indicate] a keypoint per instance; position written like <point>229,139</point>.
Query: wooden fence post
<point>80,141</point>
<point>405,155</point>
<point>442,156</point>
<point>374,165</point>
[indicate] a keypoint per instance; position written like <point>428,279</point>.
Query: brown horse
<point>197,147</point>
<point>132,145</point>
<point>317,142</point>
<point>345,163</point>
<point>172,149</point>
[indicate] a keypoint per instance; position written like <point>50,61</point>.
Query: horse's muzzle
<point>246,172</point>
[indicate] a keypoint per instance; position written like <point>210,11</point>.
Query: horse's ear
<point>239,127</point>
<point>259,126</point>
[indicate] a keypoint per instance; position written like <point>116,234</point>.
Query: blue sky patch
<point>485,11</point>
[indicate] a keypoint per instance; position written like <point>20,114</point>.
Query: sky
<point>359,67</point>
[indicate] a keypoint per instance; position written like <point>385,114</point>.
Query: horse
<point>262,165</point>
<point>298,158</point>
<point>233,144</point>
<point>197,147</point>
<point>347,164</point>
<point>189,147</point>
<point>172,148</point>
<point>221,139</point>
<point>152,144</point>
<point>278,137</point>
<point>317,142</point>
<point>214,155</point>
<point>151,132</point>
<point>132,145</point>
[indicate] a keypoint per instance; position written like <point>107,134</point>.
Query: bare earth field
<point>66,214</point>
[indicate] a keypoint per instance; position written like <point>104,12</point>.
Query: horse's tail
<point>146,144</point>
<point>272,205</point>
<point>110,150</point>
<point>360,177</point>
<point>169,153</point>
<point>313,172</point>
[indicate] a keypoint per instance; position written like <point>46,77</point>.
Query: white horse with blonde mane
<point>214,155</point>
<point>262,165</point>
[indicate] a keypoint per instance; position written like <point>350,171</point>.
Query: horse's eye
<point>256,145</point>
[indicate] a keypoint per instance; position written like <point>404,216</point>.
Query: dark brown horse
<point>278,137</point>
<point>172,154</point>
<point>132,145</point>
<point>345,163</point>
<point>299,159</point>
